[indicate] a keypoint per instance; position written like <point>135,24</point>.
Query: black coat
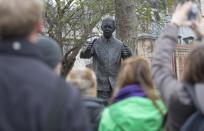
<point>29,93</point>
<point>95,107</point>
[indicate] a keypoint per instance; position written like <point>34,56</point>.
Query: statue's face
<point>108,28</point>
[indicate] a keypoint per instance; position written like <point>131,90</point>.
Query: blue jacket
<point>30,95</point>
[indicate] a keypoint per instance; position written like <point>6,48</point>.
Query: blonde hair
<point>18,17</point>
<point>85,79</point>
<point>136,70</point>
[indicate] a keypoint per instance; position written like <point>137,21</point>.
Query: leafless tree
<point>71,22</point>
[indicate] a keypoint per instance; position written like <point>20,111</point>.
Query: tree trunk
<point>126,22</point>
<point>68,61</point>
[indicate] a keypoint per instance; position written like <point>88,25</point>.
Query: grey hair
<point>18,17</point>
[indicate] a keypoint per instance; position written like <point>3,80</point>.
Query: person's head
<point>85,80</point>
<point>108,27</point>
<point>20,18</point>
<point>194,66</point>
<point>136,70</point>
<point>51,52</point>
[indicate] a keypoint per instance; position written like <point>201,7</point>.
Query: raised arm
<point>161,63</point>
<point>88,50</point>
<point>125,52</point>
<point>162,57</point>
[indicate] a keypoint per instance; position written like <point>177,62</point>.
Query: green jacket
<point>132,114</point>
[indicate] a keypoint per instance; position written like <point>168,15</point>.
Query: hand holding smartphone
<point>185,13</point>
<point>193,12</point>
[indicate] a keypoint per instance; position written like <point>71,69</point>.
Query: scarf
<point>129,91</point>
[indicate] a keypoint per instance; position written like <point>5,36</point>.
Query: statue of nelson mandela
<point>107,53</point>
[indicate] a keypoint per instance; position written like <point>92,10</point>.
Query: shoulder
<point>181,96</point>
<point>96,40</point>
<point>93,103</point>
<point>115,116</point>
<point>136,111</point>
<point>118,41</point>
<point>134,108</point>
<point>107,123</point>
<point>120,110</point>
<point>179,101</point>
<point>41,81</point>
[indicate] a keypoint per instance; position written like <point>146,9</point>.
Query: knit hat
<point>51,52</point>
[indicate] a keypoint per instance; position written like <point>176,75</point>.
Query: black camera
<point>193,12</point>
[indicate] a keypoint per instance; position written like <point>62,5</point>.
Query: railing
<point>178,57</point>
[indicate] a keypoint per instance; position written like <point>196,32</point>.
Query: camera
<point>193,12</point>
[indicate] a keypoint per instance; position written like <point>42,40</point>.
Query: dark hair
<point>50,50</point>
<point>194,66</point>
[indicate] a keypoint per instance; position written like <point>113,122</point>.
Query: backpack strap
<point>191,92</point>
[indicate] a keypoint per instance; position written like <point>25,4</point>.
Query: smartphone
<point>193,13</point>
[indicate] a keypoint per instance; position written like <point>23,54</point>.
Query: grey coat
<point>107,55</point>
<point>172,91</point>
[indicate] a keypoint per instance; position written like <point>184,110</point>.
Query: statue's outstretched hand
<point>126,51</point>
<point>90,45</point>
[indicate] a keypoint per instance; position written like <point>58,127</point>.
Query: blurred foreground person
<point>178,94</point>
<point>32,98</point>
<point>85,80</point>
<point>51,53</point>
<point>136,104</point>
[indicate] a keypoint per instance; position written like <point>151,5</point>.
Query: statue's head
<point>108,27</point>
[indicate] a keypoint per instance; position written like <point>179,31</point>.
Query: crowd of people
<point>120,92</point>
